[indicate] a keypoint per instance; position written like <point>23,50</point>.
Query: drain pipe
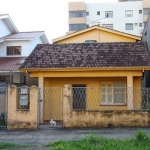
<point>143,74</point>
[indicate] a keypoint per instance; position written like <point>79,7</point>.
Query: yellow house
<point>96,34</point>
<point>103,76</point>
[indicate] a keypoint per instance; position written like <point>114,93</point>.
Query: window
<point>110,26</point>
<point>76,14</point>
<point>135,24</point>
<point>140,24</point>
<point>140,11</point>
<point>79,96</point>
<point>90,41</point>
<point>113,93</point>
<point>13,50</point>
<point>87,26</point>
<point>98,12</point>
<point>87,13</point>
<point>76,27</point>
<point>6,78</point>
<point>129,26</point>
<point>109,14</point>
<point>129,13</point>
<point>146,11</point>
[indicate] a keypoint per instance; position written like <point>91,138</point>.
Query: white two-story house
<point>15,46</point>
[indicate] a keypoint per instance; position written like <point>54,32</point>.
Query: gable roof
<point>8,21</point>
<point>88,55</point>
<point>98,28</point>
<point>23,36</point>
<point>11,63</point>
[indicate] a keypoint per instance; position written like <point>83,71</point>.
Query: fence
<point>110,98</point>
<point>3,106</point>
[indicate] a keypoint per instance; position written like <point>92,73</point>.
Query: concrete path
<point>45,135</point>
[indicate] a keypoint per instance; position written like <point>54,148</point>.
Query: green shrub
<point>141,135</point>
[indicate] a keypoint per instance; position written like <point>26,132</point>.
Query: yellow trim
<point>98,28</point>
<point>84,69</point>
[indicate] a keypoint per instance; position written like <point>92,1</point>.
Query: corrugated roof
<point>88,55</point>
<point>11,63</point>
<point>23,36</point>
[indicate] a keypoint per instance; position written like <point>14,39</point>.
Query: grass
<point>4,145</point>
<point>140,141</point>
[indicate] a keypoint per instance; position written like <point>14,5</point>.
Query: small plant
<point>141,135</point>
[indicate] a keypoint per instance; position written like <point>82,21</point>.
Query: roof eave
<point>85,69</point>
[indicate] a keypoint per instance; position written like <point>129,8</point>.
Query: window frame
<point>140,24</point>
<point>113,94</point>
<point>77,28</point>
<point>108,12</point>
<point>76,14</point>
<point>128,24</point>
<point>126,15</point>
<point>87,13</point>
<point>11,52</point>
<point>140,11</point>
<point>98,13</point>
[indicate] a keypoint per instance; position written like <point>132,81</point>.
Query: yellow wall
<point>92,96</point>
<point>99,36</point>
<point>27,119</point>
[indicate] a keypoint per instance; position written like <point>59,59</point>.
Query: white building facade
<point>122,16</point>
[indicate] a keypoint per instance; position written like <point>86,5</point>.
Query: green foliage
<point>141,135</point>
<point>93,142</point>
<point>4,145</point>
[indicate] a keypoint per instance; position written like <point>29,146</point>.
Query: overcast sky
<point>50,16</point>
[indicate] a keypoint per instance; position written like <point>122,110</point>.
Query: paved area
<point>44,135</point>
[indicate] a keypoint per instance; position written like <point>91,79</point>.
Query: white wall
<point>4,30</point>
<point>119,20</point>
<point>27,47</point>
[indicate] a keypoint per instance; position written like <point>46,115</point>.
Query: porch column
<point>130,92</point>
<point>41,97</point>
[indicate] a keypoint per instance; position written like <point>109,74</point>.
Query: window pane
<point>129,26</point>
<point>87,13</point>
<point>75,14</point>
<point>76,27</point>
<point>109,14</point>
<point>140,11</point>
<point>109,98</point>
<point>98,13</point>
<point>103,98</point>
<point>13,50</point>
<point>129,13</point>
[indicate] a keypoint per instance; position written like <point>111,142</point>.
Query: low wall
<point>113,118</point>
<point>127,118</point>
<point>26,119</point>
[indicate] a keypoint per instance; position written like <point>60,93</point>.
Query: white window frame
<point>128,24</point>
<point>107,14</point>
<point>107,94</point>
<point>129,13</point>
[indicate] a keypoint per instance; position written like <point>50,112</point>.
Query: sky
<point>50,16</point>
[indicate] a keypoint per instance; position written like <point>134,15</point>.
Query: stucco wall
<point>113,118</point>
<point>92,94</point>
<point>22,119</point>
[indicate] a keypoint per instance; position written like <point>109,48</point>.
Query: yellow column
<point>41,98</point>
<point>66,105</point>
<point>130,91</point>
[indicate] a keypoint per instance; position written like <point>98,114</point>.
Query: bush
<point>141,135</point>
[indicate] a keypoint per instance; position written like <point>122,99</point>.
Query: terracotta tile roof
<point>23,36</point>
<point>88,55</point>
<point>11,63</point>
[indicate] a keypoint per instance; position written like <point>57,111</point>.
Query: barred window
<point>13,50</point>
<point>113,93</point>
<point>79,96</point>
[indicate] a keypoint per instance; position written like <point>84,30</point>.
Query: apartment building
<point>146,8</point>
<point>122,16</point>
